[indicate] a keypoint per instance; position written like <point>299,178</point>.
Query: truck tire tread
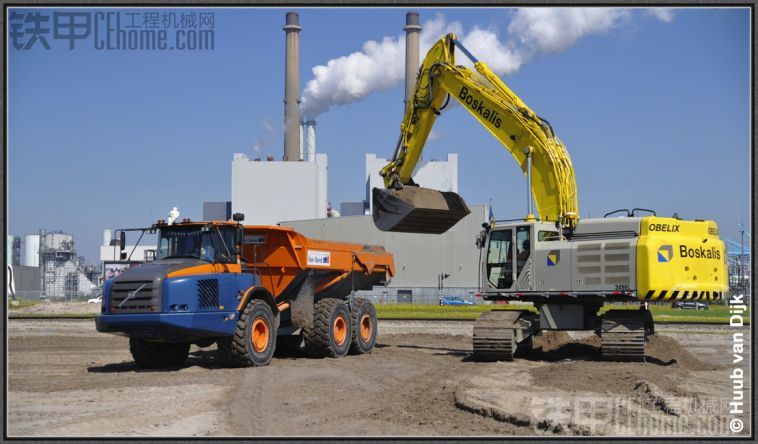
<point>318,337</point>
<point>235,350</point>
<point>357,346</point>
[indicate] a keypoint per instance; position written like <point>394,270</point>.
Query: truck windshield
<point>208,243</point>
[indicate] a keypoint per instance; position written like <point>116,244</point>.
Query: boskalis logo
<point>478,105</point>
<point>553,257</point>
<point>665,253</point>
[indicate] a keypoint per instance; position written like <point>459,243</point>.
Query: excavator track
<point>623,335</point>
<point>495,335</point>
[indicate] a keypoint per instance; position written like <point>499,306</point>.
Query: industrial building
<point>423,262</point>
<point>300,189</point>
<point>420,259</point>
<point>14,250</point>
<point>436,174</point>
<point>51,268</point>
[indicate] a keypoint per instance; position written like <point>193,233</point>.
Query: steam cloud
<point>380,65</point>
<point>271,135</point>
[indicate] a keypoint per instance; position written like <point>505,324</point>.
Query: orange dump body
<point>281,255</point>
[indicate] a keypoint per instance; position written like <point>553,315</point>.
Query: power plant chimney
<point>292,88</point>
<point>310,140</point>
<point>412,30</point>
<point>302,140</point>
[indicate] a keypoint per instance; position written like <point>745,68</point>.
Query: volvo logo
<point>132,294</point>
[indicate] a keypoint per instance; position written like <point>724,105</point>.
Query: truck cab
<point>188,293</point>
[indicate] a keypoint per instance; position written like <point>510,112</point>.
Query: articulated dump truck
<point>249,289</point>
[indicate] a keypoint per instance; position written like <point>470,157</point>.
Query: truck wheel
<point>331,330</point>
<point>157,354</point>
<point>254,338</point>
<point>364,327</point>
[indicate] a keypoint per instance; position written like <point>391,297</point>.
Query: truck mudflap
<point>169,327</point>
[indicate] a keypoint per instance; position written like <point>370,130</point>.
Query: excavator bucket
<point>417,210</point>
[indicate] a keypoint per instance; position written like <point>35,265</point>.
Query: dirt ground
<point>65,380</point>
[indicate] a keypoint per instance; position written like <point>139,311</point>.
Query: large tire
<point>254,339</point>
<point>330,333</point>
<point>364,327</point>
<point>158,354</point>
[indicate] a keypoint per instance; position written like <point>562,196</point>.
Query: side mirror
<point>122,241</point>
<point>479,240</point>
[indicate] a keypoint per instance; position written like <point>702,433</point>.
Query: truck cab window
<point>499,259</point>
<point>209,245</point>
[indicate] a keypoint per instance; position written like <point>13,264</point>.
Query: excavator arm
<point>403,206</point>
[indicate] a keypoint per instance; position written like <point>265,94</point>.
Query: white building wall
<point>31,250</point>
<point>419,258</point>
<point>272,191</point>
<point>113,252</point>
<point>9,249</point>
<point>439,175</point>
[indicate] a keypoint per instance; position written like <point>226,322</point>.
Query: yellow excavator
<point>567,267</point>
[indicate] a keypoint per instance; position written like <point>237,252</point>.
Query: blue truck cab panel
<point>144,303</point>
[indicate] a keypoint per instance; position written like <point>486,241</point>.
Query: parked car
<point>97,300</point>
<point>454,300</point>
<point>693,305</point>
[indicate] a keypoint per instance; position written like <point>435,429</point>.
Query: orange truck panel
<point>279,254</point>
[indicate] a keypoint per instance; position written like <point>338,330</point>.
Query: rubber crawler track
<point>623,335</point>
<point>494,336</point>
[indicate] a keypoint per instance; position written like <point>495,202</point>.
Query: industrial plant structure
<point>63,272</point>
<point>299,195</point>
<point>50,268</point>
<point>296,185</point>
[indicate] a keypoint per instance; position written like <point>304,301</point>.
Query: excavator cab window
<point>500,259</point>
<point>547,236</point>
<point>523,247</point>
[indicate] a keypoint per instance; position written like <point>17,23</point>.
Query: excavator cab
<point>413,209</point>
<point>507,258</point>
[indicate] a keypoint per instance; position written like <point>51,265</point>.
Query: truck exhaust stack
<point>417,210</point>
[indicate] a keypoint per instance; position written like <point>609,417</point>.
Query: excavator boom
<point>406,207</point>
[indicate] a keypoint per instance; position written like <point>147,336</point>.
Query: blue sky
<point>654,113</point>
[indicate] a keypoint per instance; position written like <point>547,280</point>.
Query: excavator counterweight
<point>417,210</point>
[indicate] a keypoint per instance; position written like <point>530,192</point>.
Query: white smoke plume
<point>665,15</point>
<point>271,134</point>
<point>380,65</point>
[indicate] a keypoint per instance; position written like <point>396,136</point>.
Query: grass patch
<point>51,316</point>
<point>716,314</point>
<point>410,311</point>
<point>22,303</point>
